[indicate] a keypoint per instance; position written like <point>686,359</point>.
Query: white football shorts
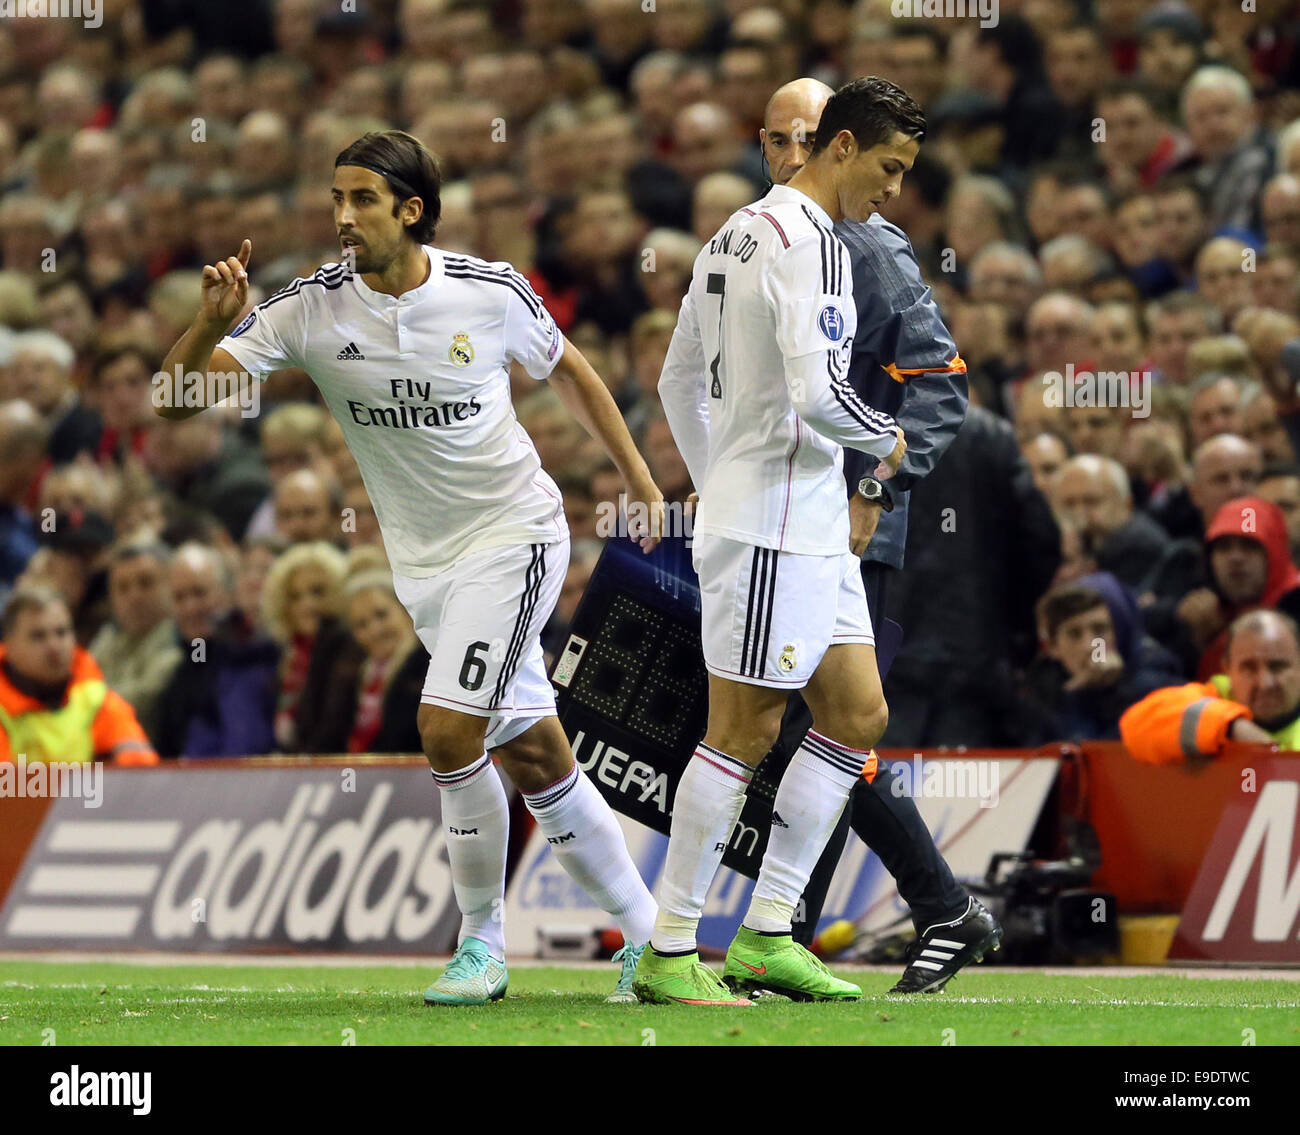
<point>481,621</point>
<point>769,617</point>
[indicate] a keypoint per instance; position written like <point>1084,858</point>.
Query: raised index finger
<point>245,251</point>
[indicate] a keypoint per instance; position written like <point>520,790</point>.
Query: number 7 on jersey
<point>716,286</point>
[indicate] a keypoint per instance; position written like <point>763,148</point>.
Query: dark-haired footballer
<point>411,348</point>
<point>755,387</point>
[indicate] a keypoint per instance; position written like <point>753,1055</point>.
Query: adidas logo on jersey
<point>351,352</point>
<point>777,822</point>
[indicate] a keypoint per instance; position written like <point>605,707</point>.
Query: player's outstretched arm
<point>223,294</point>
<point>580,388</point>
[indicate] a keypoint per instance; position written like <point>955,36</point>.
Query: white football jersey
<point>755,383</point>
<point>420,384</point>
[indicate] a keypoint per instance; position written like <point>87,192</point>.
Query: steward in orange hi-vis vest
<point>90,722</point>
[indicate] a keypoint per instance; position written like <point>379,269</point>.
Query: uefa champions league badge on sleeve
<point>831,322</point>
<point>555,341</point>
<point>461,351</point>
<point>248,322</point>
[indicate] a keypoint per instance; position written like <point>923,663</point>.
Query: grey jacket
<point>904,363</point>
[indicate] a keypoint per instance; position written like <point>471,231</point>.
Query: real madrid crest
<point>786,661</point>
<point>461,352</point>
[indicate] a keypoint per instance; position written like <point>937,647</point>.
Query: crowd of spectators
<point>1106,206</point>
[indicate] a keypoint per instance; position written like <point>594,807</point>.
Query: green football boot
<point>683,980</point>
<point>472,977</point>
<point>778,964</point>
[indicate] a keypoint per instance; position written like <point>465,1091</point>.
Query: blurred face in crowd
<point>40,644</point>
<point>915,64</point>
<point>1097,429</point>
<point>1077,65</point>
<point>199,597</point>
<point>971,221</point>
<point>1279,209</point>
<point>302,508</point>
<point>1091,501</point>
<point>1180,224</point>
<point>1284,491</point>
<point>705,139</point>
<point>1134,225</point>
<point>682,24</point>
<point>285,453</point>
<point>124,392</point>
<point>1005,277</point>
<point>605,228</point>
<point>1084,640</point>
<point>307,599</point>
<point>1221,278</point>
<point>67,312</point>
<point>790,127</point>
<point>254,565</point>
<point>1133,129</point>
<point>137,594</point>
<point>716,197</point>
<point>1117,338</point>
<point>1223,469</point>
<point>38,379</point>
<point>1083,211</point>
<point>745,81</point>
<point>1172,333</point>
<point>1277,283</point>
<point>1261,425</point>
<point>1058,330</point>
<point>1215,410</point>
<point>219,85</point>
<point>364,528</point>
<point>1217,120</point>
<point>1165,59</point>
<point>379,623</point>
<point>1044,454</point>
<point>1240,569</point>
<point>1264,672</point>
<point>215,220</point>
<point>1041,207</point>
<point>654,89</point>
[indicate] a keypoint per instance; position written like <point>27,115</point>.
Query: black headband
<point>395,183</point>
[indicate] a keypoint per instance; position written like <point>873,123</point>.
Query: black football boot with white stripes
<point>947,946</point>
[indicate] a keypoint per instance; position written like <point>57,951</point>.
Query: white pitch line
<point>366,961</point>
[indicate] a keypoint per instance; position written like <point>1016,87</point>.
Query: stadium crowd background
<point>1108,187</point>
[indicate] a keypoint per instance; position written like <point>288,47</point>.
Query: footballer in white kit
<point>411,348</point>
<point>755,388</point>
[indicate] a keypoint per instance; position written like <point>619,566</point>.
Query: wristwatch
<point>870,489</point>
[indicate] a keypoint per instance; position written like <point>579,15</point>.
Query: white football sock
<point>709,798</point>
<point>586,839</point>
<point>808,804</point>
<point>477,820</point>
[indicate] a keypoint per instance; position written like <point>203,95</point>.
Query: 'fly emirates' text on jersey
<point>420,384</point>
<point>755,383</point>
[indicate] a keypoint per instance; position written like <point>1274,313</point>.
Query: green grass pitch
<point>92,1003</point>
